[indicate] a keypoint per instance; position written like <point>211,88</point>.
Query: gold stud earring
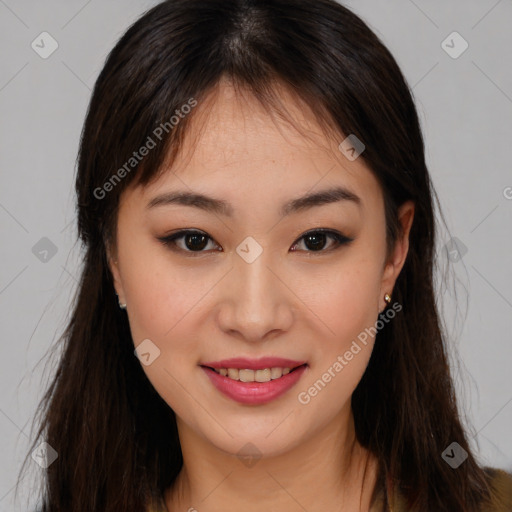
<point>387,298</point>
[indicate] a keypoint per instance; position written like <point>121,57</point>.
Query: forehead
<point>234,147</point>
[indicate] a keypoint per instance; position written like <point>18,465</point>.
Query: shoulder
<point>500,482</point>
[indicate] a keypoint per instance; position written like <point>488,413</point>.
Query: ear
<point>113,265</point>
<point>396,260</point>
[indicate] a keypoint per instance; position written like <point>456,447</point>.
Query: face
<point>262,275</point>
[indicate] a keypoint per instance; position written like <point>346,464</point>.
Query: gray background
<point>465,105</point>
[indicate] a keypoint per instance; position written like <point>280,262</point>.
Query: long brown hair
<point>116,437</point>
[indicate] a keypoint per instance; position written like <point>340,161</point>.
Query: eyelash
<point>170,241</point>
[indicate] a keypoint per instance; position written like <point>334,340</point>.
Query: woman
<point>258,223</point>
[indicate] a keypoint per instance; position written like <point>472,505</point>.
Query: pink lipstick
<point>254,381</point>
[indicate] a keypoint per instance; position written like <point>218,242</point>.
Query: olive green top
<point>501,500</point>
<point>499,480</point>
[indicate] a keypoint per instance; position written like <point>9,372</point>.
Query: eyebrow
<point>222,207</point>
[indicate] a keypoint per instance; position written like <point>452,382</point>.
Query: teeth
<point>233,373</point>
<point>275,373</point>
<point>245,375</point>
<point>263,375</point>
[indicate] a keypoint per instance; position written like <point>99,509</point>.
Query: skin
<point>303,304</point>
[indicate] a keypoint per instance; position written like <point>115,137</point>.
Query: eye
<point>316,240</point>
<point>193,241</point>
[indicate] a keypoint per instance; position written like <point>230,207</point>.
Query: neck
<point>328,467</point>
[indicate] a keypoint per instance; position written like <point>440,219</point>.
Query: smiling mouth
<point>247,375</point>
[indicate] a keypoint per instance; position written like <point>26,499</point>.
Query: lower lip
<point>254,393</point>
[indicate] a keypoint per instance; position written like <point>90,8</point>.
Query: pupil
<point>317,244</point>
<point>195,236</point>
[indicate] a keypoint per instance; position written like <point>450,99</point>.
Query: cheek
<point>348,302</point>
<point>162,304</point>
<point>348,305</point>
<point>162,307</point>
<point>159,293</point>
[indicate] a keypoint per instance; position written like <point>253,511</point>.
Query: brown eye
<point>190,241</point>
<point>315,241</point>
<point>195,242</point>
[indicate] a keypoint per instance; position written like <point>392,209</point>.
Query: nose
<point>256,304</point>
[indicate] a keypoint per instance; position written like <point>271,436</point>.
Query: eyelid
<point>339,238</point>
<point>169,240</point>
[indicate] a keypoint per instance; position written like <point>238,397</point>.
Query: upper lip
<point>254,364</point>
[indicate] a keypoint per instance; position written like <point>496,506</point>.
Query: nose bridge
<point>255,289</point>
<point>258,303</point>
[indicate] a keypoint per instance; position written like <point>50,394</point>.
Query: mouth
<point>255,375</point>
<point>267,380</point>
